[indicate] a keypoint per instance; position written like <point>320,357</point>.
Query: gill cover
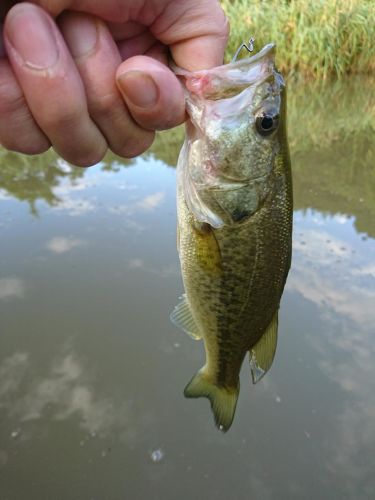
<point>230,140</point>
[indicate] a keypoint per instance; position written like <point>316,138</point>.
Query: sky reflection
<point>62,244</point>
<point>11,288</point>
<point>65,391</point>
<point>92,370</point>
<point>334,270</point>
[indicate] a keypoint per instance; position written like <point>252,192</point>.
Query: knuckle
<point>83,159</point>
<point>134,146</point>
<point>105,107</point>
<point>171,118</point>
<point>11,101</point>
<point>57,117</point>
<point>18,130</point>
<point>24,145</point>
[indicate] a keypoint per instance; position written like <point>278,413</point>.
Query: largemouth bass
<point>234,204</point>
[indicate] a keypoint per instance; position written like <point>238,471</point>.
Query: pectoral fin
<point>207,249</point>
<point>183,318</point>
<point>263,352</point>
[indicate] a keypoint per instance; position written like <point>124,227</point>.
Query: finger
<point>51,84</point>
<point>128,29</point>
<point>97,58</point>
<point>116,11</point>
<point>18,130</point>
<point>136,45</point>
<point>2,46</point>
<point>159,52</point>
<point>135,39</point>
<point>196,30</point>
<point>152,93</point>
<point>197,35</point>
<point>5,5</point>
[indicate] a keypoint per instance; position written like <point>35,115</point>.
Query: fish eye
<point>266,123</point>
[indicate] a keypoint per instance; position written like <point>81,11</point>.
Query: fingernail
<point>30,33</point>
<point>139,89</point>
<point>82,36</point>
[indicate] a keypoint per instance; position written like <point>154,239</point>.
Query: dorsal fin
<point>182,317</point>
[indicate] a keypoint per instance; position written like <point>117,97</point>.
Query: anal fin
<point>263,352</point>
<point>182,317</point>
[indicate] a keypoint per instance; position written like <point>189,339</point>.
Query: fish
<point>234,222</point>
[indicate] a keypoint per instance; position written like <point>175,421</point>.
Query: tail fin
<point>223,400</point>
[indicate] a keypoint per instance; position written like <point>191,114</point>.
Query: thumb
<point>152,93</point>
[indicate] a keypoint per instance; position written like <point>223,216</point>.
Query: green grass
<point>315,38</point>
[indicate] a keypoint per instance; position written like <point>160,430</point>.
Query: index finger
<point>196,31</point>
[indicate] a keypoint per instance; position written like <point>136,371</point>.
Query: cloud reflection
<point>74,206</point>
<point>136,263</point>
<point>12,371</point>
<point>325,272</point>
<point>147,204</point>
<point>165,271</point>
<point>62,244</point>
<point>151,202</point>
<point>336,273</point>
<point>64,392</point>
<point>11,288</point>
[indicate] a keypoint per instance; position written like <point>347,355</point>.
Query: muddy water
<point>92,370</point>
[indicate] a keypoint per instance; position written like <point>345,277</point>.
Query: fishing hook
<point>249,47</point>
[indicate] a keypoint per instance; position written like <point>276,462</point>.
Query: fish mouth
<point>231,78</point>
<point>251,70</point>
<point>266,53</point>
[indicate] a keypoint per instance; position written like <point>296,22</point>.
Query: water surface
<point>92,371</point>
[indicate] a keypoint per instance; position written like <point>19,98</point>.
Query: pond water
<point>92,370</point>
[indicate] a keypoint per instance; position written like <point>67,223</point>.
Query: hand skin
<point>88,75</point>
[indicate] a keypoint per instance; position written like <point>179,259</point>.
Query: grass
<point>315,38</point>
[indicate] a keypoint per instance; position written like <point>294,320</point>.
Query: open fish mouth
<point>229,79</point>
<point>252,68</point>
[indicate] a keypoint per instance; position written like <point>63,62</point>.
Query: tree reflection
<point>331,135</point>
<point>35,178</point>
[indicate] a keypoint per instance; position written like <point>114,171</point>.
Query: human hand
<point>95,76</point>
